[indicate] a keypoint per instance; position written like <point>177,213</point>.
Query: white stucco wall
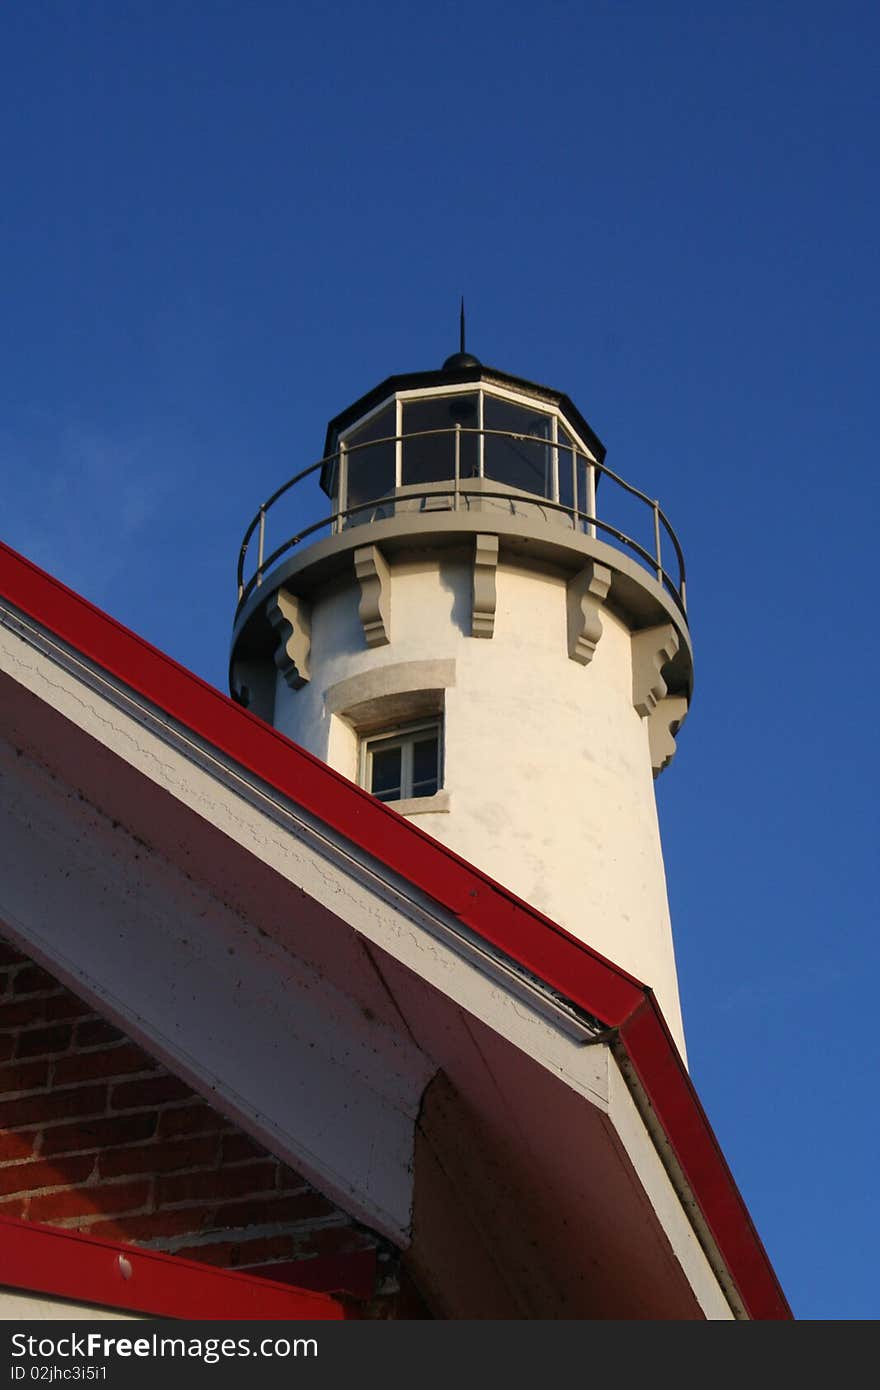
<point>17,1305</point>
<point>547,763</point>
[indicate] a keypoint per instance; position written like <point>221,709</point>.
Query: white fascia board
<point>714,1292</point>
<point>380,907</point>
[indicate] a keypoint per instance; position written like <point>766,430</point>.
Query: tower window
<point>403,763</point>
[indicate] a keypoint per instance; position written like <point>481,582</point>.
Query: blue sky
<point>222,222</point>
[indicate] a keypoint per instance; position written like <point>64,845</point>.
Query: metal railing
<point>585,473</point>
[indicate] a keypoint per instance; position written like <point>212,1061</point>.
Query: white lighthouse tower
<point>463,609</point>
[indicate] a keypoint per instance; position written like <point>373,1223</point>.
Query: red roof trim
<point>573,969</point>
<point>74,1265</point>
<point>655,1060</point>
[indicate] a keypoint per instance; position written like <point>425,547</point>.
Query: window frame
<point>404,736</point>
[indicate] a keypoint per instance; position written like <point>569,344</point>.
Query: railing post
<point>457,474</point>
<point>261,545</point>
<point>657,541</point>
<point>342,492</point>
<point>591,497</point>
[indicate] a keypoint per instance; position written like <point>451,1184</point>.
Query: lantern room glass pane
<point>431,458</point>
<point>371,471</point>
<point>520,463</point>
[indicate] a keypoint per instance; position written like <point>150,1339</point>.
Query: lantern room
<point>482,432</point>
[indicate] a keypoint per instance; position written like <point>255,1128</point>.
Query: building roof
<point>414,874</point>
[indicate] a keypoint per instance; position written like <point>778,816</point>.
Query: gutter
<point>79,1267</point>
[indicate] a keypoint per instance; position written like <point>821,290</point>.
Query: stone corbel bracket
<point>585,594</point>
<point>652,649</point>
<point>663,724</point>
<point>291,618</point>
<point>374,609</point>
<point>484,597</point>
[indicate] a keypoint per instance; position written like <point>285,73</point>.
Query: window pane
<point>385,782</point>
<point>425,766</point>
<point>370,469</point>
<point>432,459</point>
<point>519,463</point>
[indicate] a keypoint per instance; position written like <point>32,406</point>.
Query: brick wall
<point>96,1136</point>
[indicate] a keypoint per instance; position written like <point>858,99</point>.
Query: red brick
<point>252,1252</point>
<point>237,1147</point>
<point>162,1158</point>
<point>24,1076</point>
<point>191,1119</point>
<point>223,1185</point>
<point>31,979</point>
<point>37,1042</point>
<point>273,1206</point>
<point>335,1240</point>
<point>94,1031</point>
<point>153,1090</point>
<point>288,1179</point>
<point>15,1013</point>
<point>220,1253</point>
<point>65,1006</point>
<point>27,1177</point>
<point>7,1046</point>
<point>153,1225</point>
<point>15,1207</point>
<point>52,1105</point>
<point>32,1010</point>
<point>115,1061</point>
<point>20,1145</point>
<point>106,1199</point>
<point>10,956</point>
<point>99,1133</point>
<point>237,1254</point>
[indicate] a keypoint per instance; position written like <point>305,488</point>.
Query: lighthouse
<point>462,608</point>
<point>355,995</point>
